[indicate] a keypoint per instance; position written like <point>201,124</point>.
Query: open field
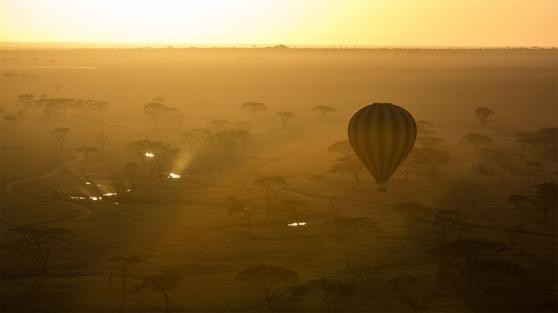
<point>448,218</point>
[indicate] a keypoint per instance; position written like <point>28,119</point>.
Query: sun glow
<point>291,22</point>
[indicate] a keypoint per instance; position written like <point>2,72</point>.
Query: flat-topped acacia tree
<point>123,265</point>
<point>254,107</point>
<point>483,115</point>
<point>324,109</point>
<point>161,282</point>
<point>285,117</point>
<point>60,134</point>
<point>477,140</point>
<point>272,280</point>
<point>269,186</point>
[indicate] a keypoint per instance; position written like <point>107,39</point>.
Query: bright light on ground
<point>109,194</point>
<point>295,224</point>
<point>149,155</point>
<point>174,176</point>
<point>88,183</point>
<point>95,198</point>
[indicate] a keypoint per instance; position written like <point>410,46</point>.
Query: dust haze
<point>221,180</point>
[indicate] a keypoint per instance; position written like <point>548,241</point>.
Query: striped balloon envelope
<point>382,135</point>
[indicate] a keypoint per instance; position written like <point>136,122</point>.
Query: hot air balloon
<point>382,135</point>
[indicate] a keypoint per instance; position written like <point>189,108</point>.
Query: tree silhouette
<point>349,164</point>
<point>163,283</point>
<point>291,207</point>
<point>477,140</point>
<point>483,115</point>
<point>429,141</point>
<point>228,139</point>
<point>130,170</point>
<point>329,291</point>
<point>254,107</point>
<point>324,109</point>
<point>60,134</point>
<point>43,244</point>
<point>102,140</point>
<point>467,257</point>
<point>447,223</point>
<point>272,280</point>
<point>543,199</point>
<point>546,195</point>
<point>238,207</point>
<point>514,231</point>
<point>154,110</point>
<point>123,264</point>
<point>415,292</point>
<point>424,128</point>
<point>285,117</point>
<point>269,186</point>
<point>86,151</point>
<point>175,117</point>
<point>99,107</point>
<point>412,212</point>
<point>195,137</point>
<point>431,159</point>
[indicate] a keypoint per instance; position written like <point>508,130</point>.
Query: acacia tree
<point>195,137</point>
<point>86,151</point>
<point>60,134</point>
<point>238,207</point>
<point>324,109</point>
<point>155,110</point>
<point>467,257</point>
<point>412,212</point>
<point>285,117</point>
<point>174,116</point>
<point>99,107</point>
<point>544,199</point>
<point>424,128</point>
<point>415,292</point>
<point>25,102</point>
<point>102,140</point>
<point>254,107</point>
<point>477,140</point>
<point>228,139</point>
<point>130,170</point>
<point>349,164</point>
<point>272,280</point>
<point>447,223</point>
<point>483,115</point>
<point>163,283</point>
<point>429,141</point>
<point>291,207</point>
<point>330,292</point>
<point>269,186</point>
<point>42,244</point>
<point>123,265</point>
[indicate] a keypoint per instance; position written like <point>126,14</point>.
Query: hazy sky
<point>294,22</point>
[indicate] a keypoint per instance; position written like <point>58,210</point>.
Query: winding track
<point>83,212</point>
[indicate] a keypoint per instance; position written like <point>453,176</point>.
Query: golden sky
<point>291,22</point>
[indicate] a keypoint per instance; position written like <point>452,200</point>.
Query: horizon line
<point>112,45</point>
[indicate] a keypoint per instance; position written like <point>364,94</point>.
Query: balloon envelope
<point>382,135</point>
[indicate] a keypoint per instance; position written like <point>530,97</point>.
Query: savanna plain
<point>221,180</point>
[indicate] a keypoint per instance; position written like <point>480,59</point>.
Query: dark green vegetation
<point>166,180</point>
